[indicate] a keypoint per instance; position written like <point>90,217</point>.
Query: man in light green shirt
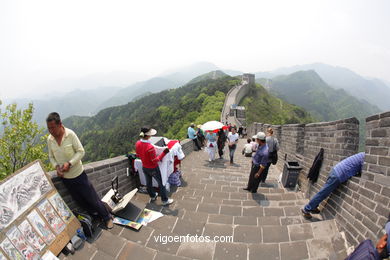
<point>65,154</point>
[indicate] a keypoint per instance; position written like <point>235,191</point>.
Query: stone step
<point>296,241</point>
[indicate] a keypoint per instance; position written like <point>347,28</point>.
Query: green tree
<point>22,141</point>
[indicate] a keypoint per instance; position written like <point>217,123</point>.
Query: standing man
<point>65,154</point>
<point>273,148</point>
<point>192,135</point>
<point>232,143</point>
<point>259,163</point>
<point>147,153</point>
<point>344,170</point>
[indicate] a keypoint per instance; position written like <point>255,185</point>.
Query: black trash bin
<point>290,174</point>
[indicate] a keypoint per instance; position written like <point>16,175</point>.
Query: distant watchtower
<point>250,78</point>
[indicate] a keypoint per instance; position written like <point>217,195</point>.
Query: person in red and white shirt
<point>147,153</point>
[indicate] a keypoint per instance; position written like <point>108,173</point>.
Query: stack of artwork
<point>32,214</point>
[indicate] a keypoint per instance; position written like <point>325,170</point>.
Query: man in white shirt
<point>232,143</point>
<point>247,151</point>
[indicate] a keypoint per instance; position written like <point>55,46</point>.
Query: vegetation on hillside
<point>114,131</point>
<point>21,140</point>
<point>263,107</point>
<point>308,90</point>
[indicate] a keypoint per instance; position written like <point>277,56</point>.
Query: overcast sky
<point>43,41</point>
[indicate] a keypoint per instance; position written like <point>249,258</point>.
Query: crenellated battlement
<point>361,205</point>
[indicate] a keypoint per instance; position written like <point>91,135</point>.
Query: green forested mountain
<point>262,106</point>
<point>211,75</point>
<point>308,90</point>
<point>114,131</point>
<point>372,90</point>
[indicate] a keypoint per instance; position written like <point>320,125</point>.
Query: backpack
<point>364,251</point>
<point>86,223</point>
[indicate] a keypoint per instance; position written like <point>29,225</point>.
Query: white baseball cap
<point>261,136</point>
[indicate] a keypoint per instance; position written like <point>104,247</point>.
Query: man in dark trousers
<point>65,154</point>
<point>340,173</point>
<point>259,163</point>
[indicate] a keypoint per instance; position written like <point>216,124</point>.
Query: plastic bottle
<point>80,234</point>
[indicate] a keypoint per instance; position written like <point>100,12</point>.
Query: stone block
<point>377,168</point>
<point>193,250</point>
<point>373,186</point>
<point>383,151</point>
<point>384,115</point>
<point>228,251</point>
<point>135,251</point>
<point>294,250</point>
<point>247,234</point>
<point>384,161</point>
<point>378,133</point>
<point>275,234</point>
<point>264,251</point>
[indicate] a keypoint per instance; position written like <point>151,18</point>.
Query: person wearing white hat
<point>147,153</point>
<point>259,163</point>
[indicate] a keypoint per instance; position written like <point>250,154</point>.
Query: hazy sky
<point>42,41</point>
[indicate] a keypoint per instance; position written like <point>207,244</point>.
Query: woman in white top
<point>211,144</point>
<point>232,142</point>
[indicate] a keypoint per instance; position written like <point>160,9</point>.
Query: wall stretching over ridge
<point>361,205</point>
<point>101,173</point>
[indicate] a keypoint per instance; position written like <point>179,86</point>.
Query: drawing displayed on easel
<point>19,241</point>
<point>40,226</point>
<point>51,216</point>
<point>20,192</point>
<point>61,208</point>
<point>10,250</point>
<point>32,237</point>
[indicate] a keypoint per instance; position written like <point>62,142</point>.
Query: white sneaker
<point>169,201</point>
<point>155,197</point>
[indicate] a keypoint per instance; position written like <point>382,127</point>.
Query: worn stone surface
<point>265,225</point>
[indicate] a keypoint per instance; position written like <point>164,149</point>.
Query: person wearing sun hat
<point>147,153</point>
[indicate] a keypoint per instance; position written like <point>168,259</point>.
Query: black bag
<point>273,157</point>
<point>86,223</point>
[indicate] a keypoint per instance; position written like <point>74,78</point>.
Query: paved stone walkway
<point>267,225</point>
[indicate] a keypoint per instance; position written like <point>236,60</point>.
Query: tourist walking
<point>232,143</point>
<point>221,142</point>
<point>65,154</point>
<point>211,144</point>
<point>200,136</point>
<point>340,173</point>
<point>147,153</point>
<point>192,135</point>
<point>273,148</point>
<point>259,163</point>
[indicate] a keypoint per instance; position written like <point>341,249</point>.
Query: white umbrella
<point>211,126</point>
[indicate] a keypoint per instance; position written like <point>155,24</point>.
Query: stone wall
<point>101,173</point>
<point>361,205</point>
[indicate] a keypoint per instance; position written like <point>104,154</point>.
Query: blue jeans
<point>156,174</point>
<point>232,149</point>
<point>330,185</point>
